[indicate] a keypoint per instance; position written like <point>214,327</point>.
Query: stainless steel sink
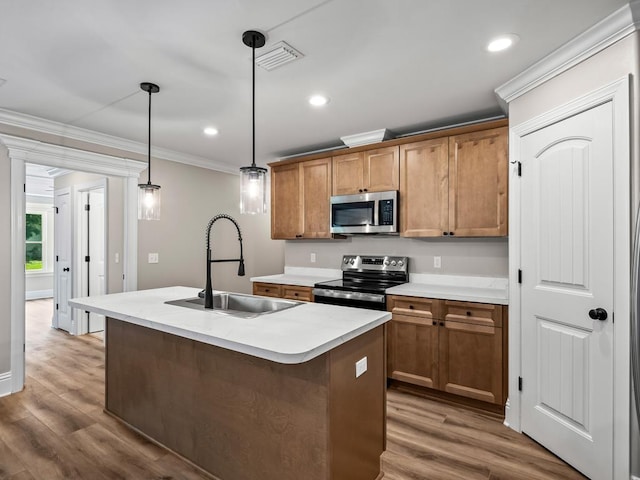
<point>237,304</point>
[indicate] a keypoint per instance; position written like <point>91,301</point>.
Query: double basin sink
<point>238,304</point>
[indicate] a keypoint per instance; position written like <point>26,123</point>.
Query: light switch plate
<point>361,366</point>
<point>153,258</point>
<point>437,262</point>
<point>313,258</point>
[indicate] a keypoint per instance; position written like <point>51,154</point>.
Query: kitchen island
<point>276,396</point>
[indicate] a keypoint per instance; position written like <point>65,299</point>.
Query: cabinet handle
<point>435,323</point>
<point>442,324</point>
<point>366,190</point>
<point>445,233</point>
<point>452,233</point>
<point>298,236</point>
<point>468,314</point>
<point>360,190</point>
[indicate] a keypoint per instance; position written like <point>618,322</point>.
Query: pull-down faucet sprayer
<point>208,291</point>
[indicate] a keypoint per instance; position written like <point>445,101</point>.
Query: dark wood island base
<point>242,417</point>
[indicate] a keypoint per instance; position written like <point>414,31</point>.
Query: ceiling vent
<point>278,54</point>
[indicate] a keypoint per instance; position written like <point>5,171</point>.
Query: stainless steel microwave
<point>365,213</point>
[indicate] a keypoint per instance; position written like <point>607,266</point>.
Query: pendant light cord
<point>253,99</point>
<point>149,144</point>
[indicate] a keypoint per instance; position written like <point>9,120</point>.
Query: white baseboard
<point>35,294</point>
<point>5,384</point>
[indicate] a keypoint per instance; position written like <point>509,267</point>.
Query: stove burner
<point>364,281</point>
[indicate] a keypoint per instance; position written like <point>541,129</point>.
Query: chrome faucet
<point>208,290</point>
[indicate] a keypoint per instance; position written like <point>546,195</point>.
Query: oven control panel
<point>374,262</point>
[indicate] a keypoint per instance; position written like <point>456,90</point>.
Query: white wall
<point>460,256</point>
<point>191,196</point>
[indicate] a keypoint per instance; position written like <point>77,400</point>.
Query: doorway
<point>22,151</point>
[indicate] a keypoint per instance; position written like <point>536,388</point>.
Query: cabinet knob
<point>435,323</point>
<point>468,314</point>
<point>366,190</point>
<point>266,290</point>
<point>298,236</point>
<point>410,307</point>
<point>442,324</point>
<point>295,294</point>
<point>445,233</point>
<point>360,190</point>
<point>452,233</point>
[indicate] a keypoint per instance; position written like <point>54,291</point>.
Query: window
<point>38,247</point>
<point>33,248</point>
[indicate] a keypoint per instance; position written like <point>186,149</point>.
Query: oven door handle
<point>367,297</point>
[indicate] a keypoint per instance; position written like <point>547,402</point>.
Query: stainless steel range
<point>364,281</point>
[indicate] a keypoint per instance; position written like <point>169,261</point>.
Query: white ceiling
<point>404,65</point>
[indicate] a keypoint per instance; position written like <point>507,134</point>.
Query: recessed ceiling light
<point>210,131</point>
<point>502,42</point>
<point>318,100</point>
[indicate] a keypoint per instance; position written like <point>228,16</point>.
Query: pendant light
<point>253,178</point>
<point>148,193</point>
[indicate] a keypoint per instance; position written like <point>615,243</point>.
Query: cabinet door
<point>471,355</point>
<point>303,294</point>
<point>267,289</point>
<point>348,173</point>
<point>478,176</point>
<point>315,193</point>
<point>285,202</point>
<point>424,208</point>
<point>381,169</point>
<point>412,341</point>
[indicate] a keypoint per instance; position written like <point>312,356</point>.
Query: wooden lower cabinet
<point>449,346</point>
<point>290,292</point>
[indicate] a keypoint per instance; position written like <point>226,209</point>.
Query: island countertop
<point>294,335</point>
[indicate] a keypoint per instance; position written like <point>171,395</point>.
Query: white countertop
<point>303,277</point>
<point>294,335</point>
<point>493,290</point>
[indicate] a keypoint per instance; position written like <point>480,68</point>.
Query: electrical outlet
<point>361,366</point>
<point>313,258</point>
<point>153,258</point>
<point>437,262</point>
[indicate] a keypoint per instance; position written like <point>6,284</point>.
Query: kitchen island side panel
<point>242,417</point>
<point>236,416</point>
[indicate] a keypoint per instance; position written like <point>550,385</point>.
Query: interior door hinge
<point>87,207</point>
<point>519,276</point>
<point>56,258</point>
<point>519,384</point>
<point>87,258</point>
<point>56,306</point>
<point>57,211</point>
<point>519,169</point>
<point>24,187</point>
<point>24,347</point>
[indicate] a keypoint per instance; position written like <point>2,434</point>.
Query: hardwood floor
<point>56,429</point>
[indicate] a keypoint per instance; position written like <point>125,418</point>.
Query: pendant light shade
<point>253,178</point>
<point>148,193</point>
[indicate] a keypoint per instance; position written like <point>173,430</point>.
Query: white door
<point>63,260</point>
<point>567,273</point>
<point>96,264</point>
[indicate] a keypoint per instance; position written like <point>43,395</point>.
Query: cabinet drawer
<point>267,289</point>
<point>297,293</point>
<point>481,314</point>
<point>414,306</point>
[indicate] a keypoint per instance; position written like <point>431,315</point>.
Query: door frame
<point>23,150</point>
<point>618,93</point>
<point>80,322</point>
<point>56,267</point>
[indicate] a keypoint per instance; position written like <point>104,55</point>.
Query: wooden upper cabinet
<point>300,199</point>
<point>348,173</point>
<point>424,190</point>
<point>369,171</point>
<point>286,208</point>
<point>315,194</point>
<point>478,183</point>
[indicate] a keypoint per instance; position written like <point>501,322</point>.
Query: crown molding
<point>34,151</point>
<point>42,125</point>
<point>603,34</point>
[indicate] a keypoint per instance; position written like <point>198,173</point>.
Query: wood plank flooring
<point>56,429</point>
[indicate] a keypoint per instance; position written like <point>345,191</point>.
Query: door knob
<point>65,269</point>
<point>598,314</point>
